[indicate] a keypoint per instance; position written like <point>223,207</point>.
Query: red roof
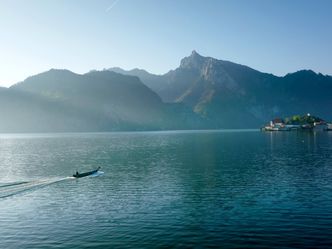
<point>278,120</point>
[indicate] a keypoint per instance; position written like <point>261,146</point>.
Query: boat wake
<point>14,188</point>
<point>98,173</point>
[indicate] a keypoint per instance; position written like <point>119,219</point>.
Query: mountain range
<point>202,93</point>
<point>230,95</point>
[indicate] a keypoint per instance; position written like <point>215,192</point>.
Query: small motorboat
<point>79,175</point>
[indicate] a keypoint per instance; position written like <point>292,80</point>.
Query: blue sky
<point>278,36</point>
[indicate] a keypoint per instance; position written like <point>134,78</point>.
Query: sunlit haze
<point>271,36</point>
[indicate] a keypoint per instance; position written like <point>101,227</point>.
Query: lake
<point>180,189</point>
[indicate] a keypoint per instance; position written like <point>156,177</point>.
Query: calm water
<point>167,189</point>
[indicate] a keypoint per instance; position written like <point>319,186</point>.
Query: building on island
<point>277,124</point>
<point>329,126</point>
<point>297,122</point>
<point>320,126</point>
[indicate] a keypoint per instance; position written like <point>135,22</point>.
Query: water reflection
<point>182,189</point>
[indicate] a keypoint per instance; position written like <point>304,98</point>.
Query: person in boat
<point>77,173</point>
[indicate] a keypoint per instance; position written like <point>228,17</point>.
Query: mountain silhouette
<point>231,95</point>
<point>202,93</point>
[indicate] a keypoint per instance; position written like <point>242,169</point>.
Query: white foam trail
<point>10,189</point>
<point>98,173</point>
<point>8,184</point>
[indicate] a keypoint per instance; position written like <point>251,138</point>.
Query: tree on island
<point>302,120</point>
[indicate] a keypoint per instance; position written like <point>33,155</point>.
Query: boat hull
<point>85,174</point>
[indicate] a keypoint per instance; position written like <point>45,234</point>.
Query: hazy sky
<point>278,36</point>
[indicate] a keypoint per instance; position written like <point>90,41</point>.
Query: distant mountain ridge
<point>233,95</point>
<point>202,93</point>
<point>60,100</point>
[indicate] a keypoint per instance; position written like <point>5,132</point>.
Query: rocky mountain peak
<point>194,61</point>
<point>194,53</point>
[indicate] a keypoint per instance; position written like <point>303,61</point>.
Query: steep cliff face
<point>202,92</point>
<point>231,95</point>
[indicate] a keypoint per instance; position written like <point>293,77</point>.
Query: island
<point>306,122</point>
